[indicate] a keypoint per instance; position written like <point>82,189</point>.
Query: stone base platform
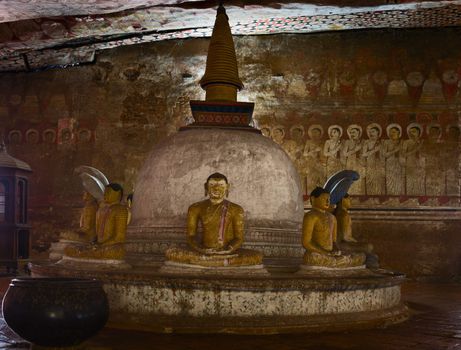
<point>281,302</point>
<point>309,269</point>
<point>170,267</point>
<point>92,264</point>
<point>57,248</point>
<point>146,246</point>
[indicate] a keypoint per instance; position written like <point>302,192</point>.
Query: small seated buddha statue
<point>87,230</point>
<point>111,224</point>
<point>345,241</point>
<point>222,225</point>
<point>320,236</point>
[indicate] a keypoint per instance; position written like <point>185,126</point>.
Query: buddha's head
<point>394,133</point>
<point>354,134</point>
<point>414,133</point>
<point>373,133</point>
<point>217,187</point>
<point>88,197</point>
<point>320,198</point>
<point>265,130</point>
<point>335,134</point>
<point>297,133</point>
<point>66,135</point>
<point>113,193</point>
<point>453,133</point>
<point>32,136</point>
<point>49,136</point>
<point>278,134</point>
<point>315,132</point>
<point>434,132</point>
<point>345,202</point>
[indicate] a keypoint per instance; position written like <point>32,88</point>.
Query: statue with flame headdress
<point>328,238</point>
<point>103,220</point>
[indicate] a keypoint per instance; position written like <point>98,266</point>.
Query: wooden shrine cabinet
<point>14,228</point>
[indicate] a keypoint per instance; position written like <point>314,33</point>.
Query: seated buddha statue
<point>320,236</point>
<point>345,241</point>
<point>87,229</point>
<point>110,228</point>
<point>222,224</point>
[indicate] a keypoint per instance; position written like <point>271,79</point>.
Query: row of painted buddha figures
<point>326,236</point>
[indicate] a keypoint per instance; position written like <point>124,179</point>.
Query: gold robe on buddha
<point>222,227</point>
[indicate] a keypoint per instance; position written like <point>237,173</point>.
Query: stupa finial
<point>221,80</point>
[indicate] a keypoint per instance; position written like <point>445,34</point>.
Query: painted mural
<point>37,29</point>
<point>397,161</point>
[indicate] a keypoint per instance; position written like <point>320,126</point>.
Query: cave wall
<point>111,113</point>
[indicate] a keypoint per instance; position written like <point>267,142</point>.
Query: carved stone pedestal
<point>277,302</point>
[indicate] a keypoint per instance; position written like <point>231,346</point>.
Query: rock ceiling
<point>38,34</point>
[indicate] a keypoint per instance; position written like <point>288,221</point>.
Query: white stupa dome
<point>263,179</point>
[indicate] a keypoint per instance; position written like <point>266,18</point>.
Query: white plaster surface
<point>196,302</point>
<point>324,268</point>
<point>263,179</point>
<point>94,262</point>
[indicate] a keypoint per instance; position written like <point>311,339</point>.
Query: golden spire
<point>221,79</point>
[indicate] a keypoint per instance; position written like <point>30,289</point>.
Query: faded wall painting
<point>397,161</point>
<point>332,100</point>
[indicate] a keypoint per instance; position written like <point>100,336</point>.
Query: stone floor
<point>435,324</point>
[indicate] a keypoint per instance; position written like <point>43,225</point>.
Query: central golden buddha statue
<point>320,236</point>
<point>222,229</point>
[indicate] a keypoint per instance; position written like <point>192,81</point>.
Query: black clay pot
<point>55,312</point>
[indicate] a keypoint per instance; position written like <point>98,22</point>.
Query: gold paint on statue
<point>111,218</point>
<point>102,252</point>
<point>209,214</point>
<point>222,233</point>
<point>87,230</point>
<point>345,241</point>
<point>111,223</point>
<point>320,236</point>
<point>344,220</point>
<point>221,80</point>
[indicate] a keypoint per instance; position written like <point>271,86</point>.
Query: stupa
<point>265,183</point>
<point>263,179</point>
